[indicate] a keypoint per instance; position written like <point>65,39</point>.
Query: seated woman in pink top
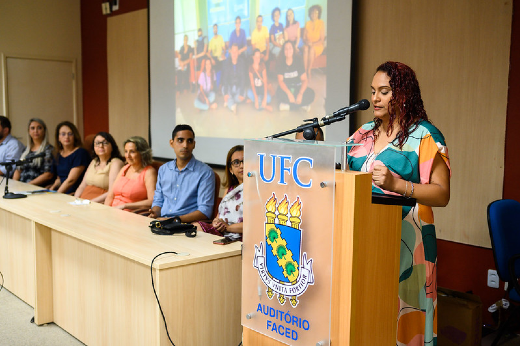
<point>292,30</point>
<point>134,186</point>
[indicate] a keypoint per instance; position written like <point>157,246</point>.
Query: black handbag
<point>172,226</point>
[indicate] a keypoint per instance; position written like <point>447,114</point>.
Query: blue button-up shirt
<point>10,150</point>
<point>182,192</point>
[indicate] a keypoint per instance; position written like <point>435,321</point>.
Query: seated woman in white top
<point>230,219</point>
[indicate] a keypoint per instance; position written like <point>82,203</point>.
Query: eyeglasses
<point>237,162</point>
<point>104,143</point>
<point>64,134</point>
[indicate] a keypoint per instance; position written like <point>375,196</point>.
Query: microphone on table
<point>29,159</point>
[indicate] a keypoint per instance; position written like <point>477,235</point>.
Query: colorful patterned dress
<point>417,315</point>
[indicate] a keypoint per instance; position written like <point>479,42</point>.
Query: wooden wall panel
<point>127,49</point>
<point>460,52</point>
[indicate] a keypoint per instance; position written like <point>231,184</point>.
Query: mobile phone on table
<point>224,241</point>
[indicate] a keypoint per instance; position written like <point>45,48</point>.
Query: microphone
<point>341,113</point>
<point>359,106</point>
<point>28,159</point>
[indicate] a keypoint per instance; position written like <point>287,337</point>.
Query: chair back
<point>504,231</point>
<point>216,200</point>
<point>157,165</point>
<point>87,143</point>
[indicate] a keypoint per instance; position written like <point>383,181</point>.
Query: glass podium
<point>309,234</point>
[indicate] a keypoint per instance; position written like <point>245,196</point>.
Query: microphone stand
<point>310,134</point>
<point>313,123</point>
<point>7,194</point>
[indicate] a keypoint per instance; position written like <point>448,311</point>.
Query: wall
<point>94,47</point>
<point>42,29</point>
<point>463,267</point>
<point>512,147</point>
<point>464,85</point>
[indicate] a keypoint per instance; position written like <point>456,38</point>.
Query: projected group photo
<point>257,66</point>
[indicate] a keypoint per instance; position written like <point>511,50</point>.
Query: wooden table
<point>87,268</point>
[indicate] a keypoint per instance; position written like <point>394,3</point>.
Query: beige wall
<point>41,29</point>
<point>460,52</point>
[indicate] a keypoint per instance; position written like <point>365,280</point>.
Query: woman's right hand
<point>291,97</point>
<point>219,224</point>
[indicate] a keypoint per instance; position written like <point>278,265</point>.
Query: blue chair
<point>504,231</point>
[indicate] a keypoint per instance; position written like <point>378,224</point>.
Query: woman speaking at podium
<point>407,156</point>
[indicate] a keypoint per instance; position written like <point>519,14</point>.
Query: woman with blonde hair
<point>134,186</point>
<point>39,171</point>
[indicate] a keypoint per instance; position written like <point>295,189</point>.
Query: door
<point>39,88</point>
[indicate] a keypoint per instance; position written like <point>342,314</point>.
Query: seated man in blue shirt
<point>185,186</point>
<point>10,148</point>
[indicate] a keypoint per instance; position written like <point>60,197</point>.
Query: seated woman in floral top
<point>229,221</point>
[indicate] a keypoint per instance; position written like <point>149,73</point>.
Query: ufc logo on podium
<point>282,166</point>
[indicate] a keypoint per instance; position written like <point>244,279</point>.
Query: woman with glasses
<point>39,171</point>
<point>72,159</point>
<point>229,221</point>
<point>102,171</point>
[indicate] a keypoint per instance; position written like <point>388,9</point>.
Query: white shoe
<point>234,108</point>
<point>284,107</point>
<point>307,108</point>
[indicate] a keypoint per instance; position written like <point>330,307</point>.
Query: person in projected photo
<point>238,37</point>
<point>230,218</point>
<point>260,38</point>
<point>313,38</point>
<point>234,80</point>
<point>292,30</point>
<point>407,156</point>
<point>292,91</point>
<point>276,33</point>
<point>183,73</point>
<point>201,50</point>
<point>258,93</point>
<point>217,53</point>
<point>206,95</point>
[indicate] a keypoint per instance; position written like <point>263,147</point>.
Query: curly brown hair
<point>315,7</point>
<point>406,96</point>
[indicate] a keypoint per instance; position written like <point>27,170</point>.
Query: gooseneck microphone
<point>29,159</point>
<point>338,115</point>
<point>341,113</point>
